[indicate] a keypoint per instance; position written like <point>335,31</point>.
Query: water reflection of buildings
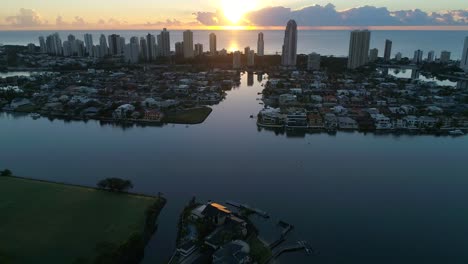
<point>250,78</point>
<point>259,77</point>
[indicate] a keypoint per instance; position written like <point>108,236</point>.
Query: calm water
<point>325,42</point>
<point>354,197</point>
<point>415,74</point>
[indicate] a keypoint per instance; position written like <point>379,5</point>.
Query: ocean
<point>324,42</point>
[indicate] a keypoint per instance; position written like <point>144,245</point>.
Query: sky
<point>62,14</point>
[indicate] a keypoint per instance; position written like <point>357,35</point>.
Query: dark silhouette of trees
<point>6,172</point>
<point>115,184</point>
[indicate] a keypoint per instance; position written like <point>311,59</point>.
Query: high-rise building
<point>388,50</point>
<point>103,46</point>
<point>418,57</point>
<point>430,56</point>
<point>289,55</point>
<point>151,47</point>
<point>313,62</point>
<point>164,43</point>
<point>143,49</point>
<point>445,56</point>
<point>54,44</point>
<point>132,51</point>
<point>398,56</point>
<point>213,44</point>
<point>88,39</point>
<point>42,44</point>
<point>464,59</point>
<point>67,48</point>
<point>251,58</point>
<point>188,44</point>
<point>373,55</point>
<point>358,48</point>
<point>179,49</point>
<point>236,60</point>
<point>260,45</point>
<point>114,44</point>
<point>246,51</point>
<point>198,49</point>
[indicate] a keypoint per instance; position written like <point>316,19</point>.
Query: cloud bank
<point>327,15</point>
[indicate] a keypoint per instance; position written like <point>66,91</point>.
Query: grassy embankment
<point>43,222</point>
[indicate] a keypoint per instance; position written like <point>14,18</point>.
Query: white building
<point>164,43</point>
<point>213,44</point>
<point>418,56</point>
<point>358,48</point>
<point>188,44</point>
<point>236,60</point>
<point>260,45</point>
<point>430,56</point>
<point>88,39</point>
<point>289,55</point>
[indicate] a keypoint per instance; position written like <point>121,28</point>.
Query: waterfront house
<point>296,118</point>
<point>347,123</point>
<point>270,116</point>
<point>153,115</point>
<point>212,212</point>
<point>234,252</point>
<point>382,122</point>
<point>123,111</point>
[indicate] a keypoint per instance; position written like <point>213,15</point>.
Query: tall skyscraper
<point>388,50</point>
<point>179,49</point>
<point>164,43</point>
<point>88,39</point>
<point>132,51</point>
<point>358,48</point>
<point>236,60</point>
<point>42,44</point>
<point>289,55</point>
<point>114,44</point>
<point>198,49</point>
<point>151,47</point>
<point>418,55</point>
<point>188,44</point>
<point>143,49</point>
<point>54,44</point>
<point>373,55</point>
<point>260,45</point>
<point>313,62</point>
<point>103,46</point>
<point>445,56</point>
<point>213,44</point>
<point>464,59</point>
<point>246,51</point>
<point>430,56</point>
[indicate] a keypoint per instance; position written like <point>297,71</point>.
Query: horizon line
<point>247,28</point>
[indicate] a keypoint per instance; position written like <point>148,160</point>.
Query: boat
<point>35,115</point>
<point>456,132</point>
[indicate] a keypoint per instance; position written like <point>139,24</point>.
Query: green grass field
<point>189,116</point>
<point>44,222</point>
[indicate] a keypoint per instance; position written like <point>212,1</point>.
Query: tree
<point>115,184</point>
<point>6,172</point>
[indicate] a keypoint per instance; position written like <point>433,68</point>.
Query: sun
<point>234,10</point>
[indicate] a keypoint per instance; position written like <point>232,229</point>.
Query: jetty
<point>249,208</point>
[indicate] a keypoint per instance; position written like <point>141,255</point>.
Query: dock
<point>300,245</point>
<point>249,208</point>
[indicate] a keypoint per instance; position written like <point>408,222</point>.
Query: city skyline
<point>232,15</point>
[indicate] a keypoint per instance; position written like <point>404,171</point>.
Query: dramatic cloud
<point>60,22</point>
<point>327,15</point>
<point>26,18</point>
<point>79,21</point>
